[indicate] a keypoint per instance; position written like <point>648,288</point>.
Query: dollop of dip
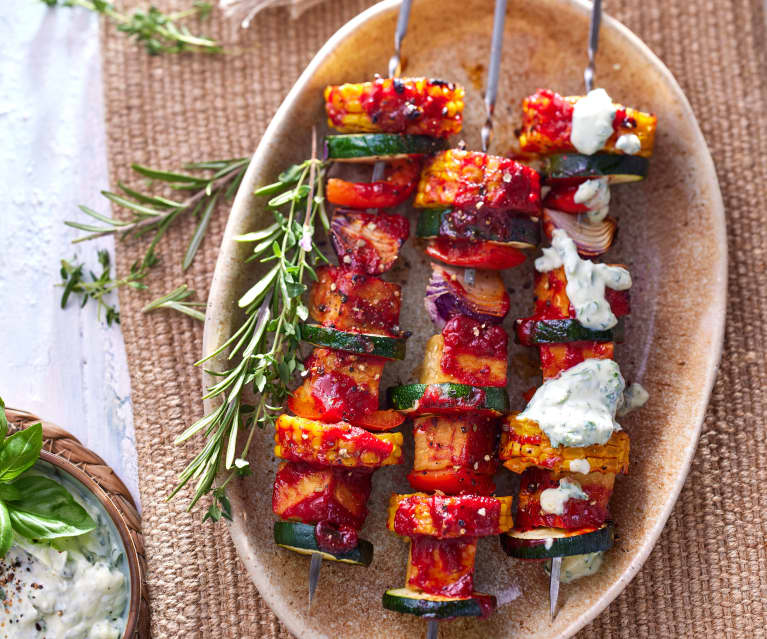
<point>578,407</point>
<point>68,589</point>
<point>578,566</point>
<point>635,397</point>
<point>553,500</point>
<point>592,122</point>
<point>586,281</point>
<point>595,196</point>
<point>629,143</point>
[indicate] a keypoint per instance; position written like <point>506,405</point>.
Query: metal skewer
<point>588,77</point>
<point>596,19</point>
<point>556,569</point>
<point>493,71</point>
<point>491,93</point>
<point>378,171</point>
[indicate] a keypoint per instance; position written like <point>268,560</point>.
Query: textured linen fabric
<point>708,574</point>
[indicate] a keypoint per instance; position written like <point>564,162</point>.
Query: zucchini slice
<point>618,168</point>
<point>423,604</point>
<point>519,231</point>
<point>361,343</point>
<point>544,543</point>
<point>371,147</point>
<point>449,398</point>
<point>300,538</point>
<point>561,331</point>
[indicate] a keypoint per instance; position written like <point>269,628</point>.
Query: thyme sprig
<point>76,282</point>
<point>267,342</point>
<point>158,32</point>
<point>205,183</point>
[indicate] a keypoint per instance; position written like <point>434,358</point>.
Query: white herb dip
<point>595,195</point>
<point>592,123</point>
<point>635,397</point>
<point>581,466</point>
<point>629,144</point>
<point>578,566</point>
<point>553,500</point>
<point>586,281</point>
<point>578,407</point>
<point>69,589</point>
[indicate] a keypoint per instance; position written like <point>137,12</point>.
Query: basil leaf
<point>20,451</point>
<point>3,422</point>
<point>6,531</point>
<point>9,492</point>
<point>46,510</point>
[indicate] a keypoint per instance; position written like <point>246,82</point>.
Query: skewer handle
<point>395,66</point>
<point>596,19</point>
<point>491,91</point>
<point>432,629</point>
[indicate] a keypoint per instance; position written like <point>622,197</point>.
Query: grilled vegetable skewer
<point>566,444</point>
<point>469,202</point>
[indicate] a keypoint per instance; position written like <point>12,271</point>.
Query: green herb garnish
<point>266,344</point>
<point>33,506</point>
<point>150,214</point>
<point>158,32</point>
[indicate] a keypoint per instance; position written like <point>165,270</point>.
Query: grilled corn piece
<point>340,444</point>
<point>473,180</point>
<point>524,445</point>
<point>547,124</point>
<point>417,106</point>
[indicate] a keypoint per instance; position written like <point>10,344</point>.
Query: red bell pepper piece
<point>452,481</point>
<point>483,255</point>
<point>400,182</point>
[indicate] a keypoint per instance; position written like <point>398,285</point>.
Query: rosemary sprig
<point>177,301</point>
<point>158,32</point>
<point>268,340</point>
<point>98,287</point>
<point>205,183</point>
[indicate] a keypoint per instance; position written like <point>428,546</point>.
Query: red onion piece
<point>449,294</point>
<point>591,238</point>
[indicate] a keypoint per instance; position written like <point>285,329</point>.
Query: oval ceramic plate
<point>672,238</point>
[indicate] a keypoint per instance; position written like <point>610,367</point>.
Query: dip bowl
<point>86,476</point>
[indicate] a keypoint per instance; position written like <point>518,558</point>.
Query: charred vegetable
<point>396,105</point>
<point>547,124</point>
<point>341,444</point>
<point>525,445</point>
<point>449,294</point>
<point>470,180</point>
<point>366,242</point>
<point>401,177</point>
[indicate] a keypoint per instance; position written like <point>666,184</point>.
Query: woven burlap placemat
<point>708,574</point>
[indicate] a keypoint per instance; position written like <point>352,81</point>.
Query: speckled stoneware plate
<point>672,237</point>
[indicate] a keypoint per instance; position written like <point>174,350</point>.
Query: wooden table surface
<point>64,365</point>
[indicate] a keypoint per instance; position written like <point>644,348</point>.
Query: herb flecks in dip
<point>69,588</point>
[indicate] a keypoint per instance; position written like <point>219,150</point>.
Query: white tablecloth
<point>64,365</point>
